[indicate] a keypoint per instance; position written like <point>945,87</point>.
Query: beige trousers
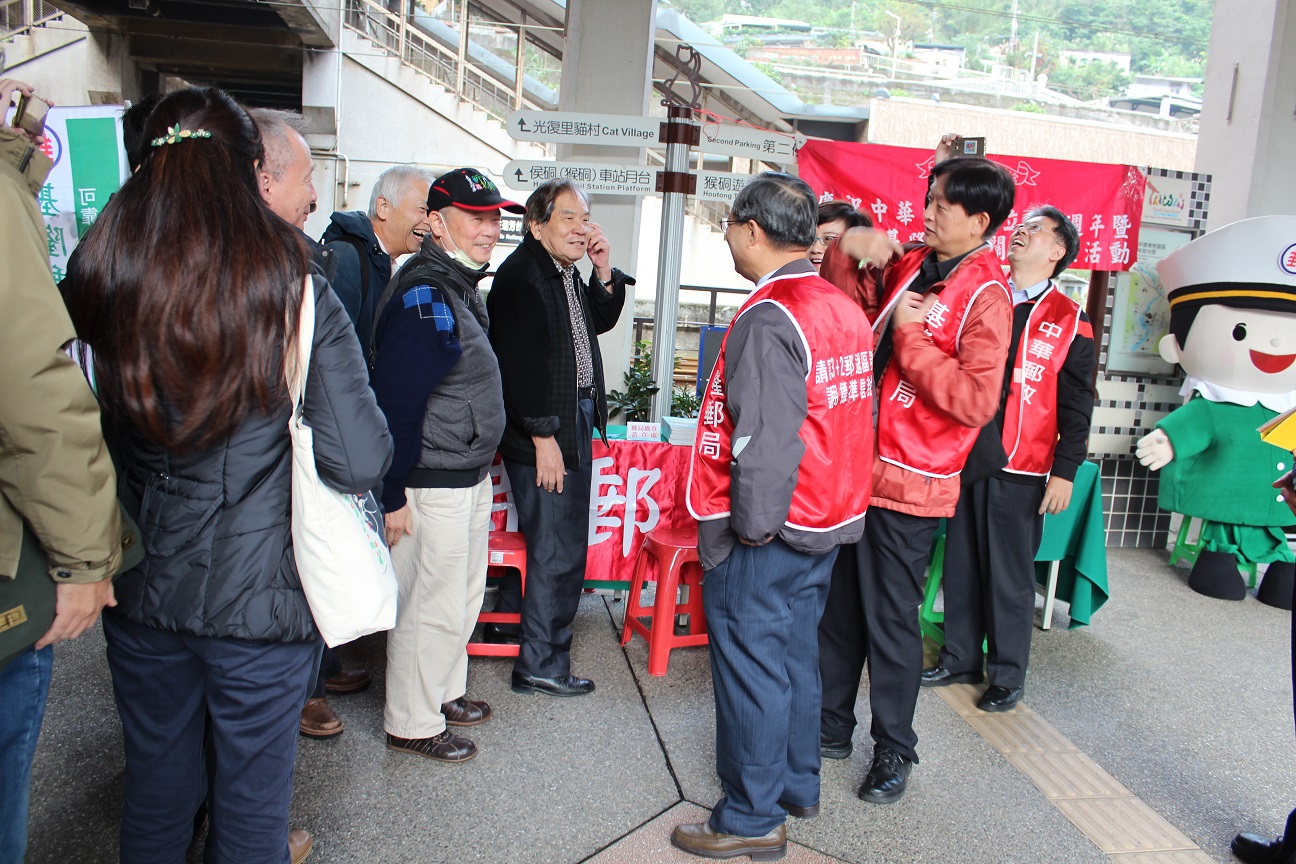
<point>441,569</point>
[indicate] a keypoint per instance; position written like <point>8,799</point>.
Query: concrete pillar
<point>1248,120</point>
<point>607,69</point>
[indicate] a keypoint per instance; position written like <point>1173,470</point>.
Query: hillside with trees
<point>1161,37</point>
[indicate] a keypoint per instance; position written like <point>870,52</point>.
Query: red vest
<point>911,433</point>
<point>1030,431</point>
<point>835,475</point>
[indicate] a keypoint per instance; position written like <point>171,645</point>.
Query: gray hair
<point>393,183</point>
<point>277,128</point>
<point>539,207</point>
<point>783,205</point>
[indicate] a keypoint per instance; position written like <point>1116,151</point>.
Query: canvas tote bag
<point>342,556</point>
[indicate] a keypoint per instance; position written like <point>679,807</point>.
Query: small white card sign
<point>637,430</point>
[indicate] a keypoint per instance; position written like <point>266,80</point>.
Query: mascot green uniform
<point>1232,296</point>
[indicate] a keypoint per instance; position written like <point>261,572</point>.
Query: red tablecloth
<point>636,486</point>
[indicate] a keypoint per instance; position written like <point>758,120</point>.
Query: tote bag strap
<point>299,364</point>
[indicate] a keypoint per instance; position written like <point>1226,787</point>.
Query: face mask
<point>456,253</point>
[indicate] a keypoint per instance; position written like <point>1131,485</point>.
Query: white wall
<point>920,123</point>
<point>69,65</point>
<point>1250,153</point>
<point>387,115</point>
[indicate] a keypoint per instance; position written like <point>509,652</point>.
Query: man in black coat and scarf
<point>545,320</point>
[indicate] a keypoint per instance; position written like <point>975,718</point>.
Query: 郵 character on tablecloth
<point>1232,296</point>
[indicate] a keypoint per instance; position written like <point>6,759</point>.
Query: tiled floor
<point>1149,737</point>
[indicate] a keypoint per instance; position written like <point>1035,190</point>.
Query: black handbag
<point>27,601</point>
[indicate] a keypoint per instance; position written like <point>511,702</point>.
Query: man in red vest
<point>942,330</point>
<point>1023,467</point>
<point>780,477</point>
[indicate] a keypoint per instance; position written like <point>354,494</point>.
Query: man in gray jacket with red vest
<point>781,474</point>
<point>1022,467</point>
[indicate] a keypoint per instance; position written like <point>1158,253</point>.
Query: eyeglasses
<point>824,240</point>
<point>725,223</point>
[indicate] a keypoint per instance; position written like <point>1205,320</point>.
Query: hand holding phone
<point>969,147</point>
<point>30,115</point>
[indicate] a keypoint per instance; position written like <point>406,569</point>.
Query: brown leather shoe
<point>318,720</point>
<point>465,712</point>
<point>349,680</point>
<point>701,839</point>
<point>446,747</point>
<point>299,845</point>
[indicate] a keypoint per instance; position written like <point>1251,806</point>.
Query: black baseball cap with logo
<point>468,189</point>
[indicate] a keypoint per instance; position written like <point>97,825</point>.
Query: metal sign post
<point>676,183</point>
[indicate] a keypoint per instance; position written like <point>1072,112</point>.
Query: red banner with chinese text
<point>889,184</point>
<point>636,486</point>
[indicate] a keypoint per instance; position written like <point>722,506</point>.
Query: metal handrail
<point>18,17</point>
<point>398,36</point>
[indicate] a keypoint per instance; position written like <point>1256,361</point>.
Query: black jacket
<point>216,524</point>
<point>531,334</point>
<point>356,281</point>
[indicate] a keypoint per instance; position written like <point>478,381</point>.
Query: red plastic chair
<point>507,551</point>
<point>677,567</point>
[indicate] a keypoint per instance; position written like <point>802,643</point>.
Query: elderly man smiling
<point>437,381</point>
<point>545,320</point>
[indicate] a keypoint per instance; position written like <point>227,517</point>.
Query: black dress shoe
<point>1254,849</point>
<point>831,748</point>
<point>939,676</point>
<point>563,685</point>
<point>997,698</point>
<point>497,635</point>
<point>888,777</point>
<point>807,812</point>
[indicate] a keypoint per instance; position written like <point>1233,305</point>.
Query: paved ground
<point>1184,700</point>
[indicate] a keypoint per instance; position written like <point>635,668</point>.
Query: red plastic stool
<point>507,551</point>
<point>677,567</point>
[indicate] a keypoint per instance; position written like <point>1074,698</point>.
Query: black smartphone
<point>30,114</point>
<point>969,147</point>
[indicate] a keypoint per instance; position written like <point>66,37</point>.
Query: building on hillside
<point>1083,58</point>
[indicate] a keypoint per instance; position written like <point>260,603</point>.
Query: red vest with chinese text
<point>912,433</point>
<point>835,475</point>
<point>1030,432</point>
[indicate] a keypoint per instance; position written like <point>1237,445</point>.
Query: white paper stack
<point>680,430</point>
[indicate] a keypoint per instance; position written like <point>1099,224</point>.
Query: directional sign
<point>597,177</point>
<point>568,127</point>
<point>720,186</point>
<point>764,144</point>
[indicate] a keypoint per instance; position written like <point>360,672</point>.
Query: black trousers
<point>989,579</point>
<point>556,528</point>
<point>872,615</point>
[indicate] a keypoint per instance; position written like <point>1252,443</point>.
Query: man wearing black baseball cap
<point>437,380</point>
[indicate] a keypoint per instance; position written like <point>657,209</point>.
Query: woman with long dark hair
<point>188,291</point>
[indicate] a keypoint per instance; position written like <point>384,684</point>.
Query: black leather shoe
<point>798,811</point>
<point>563,685</point>
<point>497,635</point>
<point>1254,849</point>
<point>888,777</point>
<point>939,676</point>
<point>997,698</point>
<point>831,748</point>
